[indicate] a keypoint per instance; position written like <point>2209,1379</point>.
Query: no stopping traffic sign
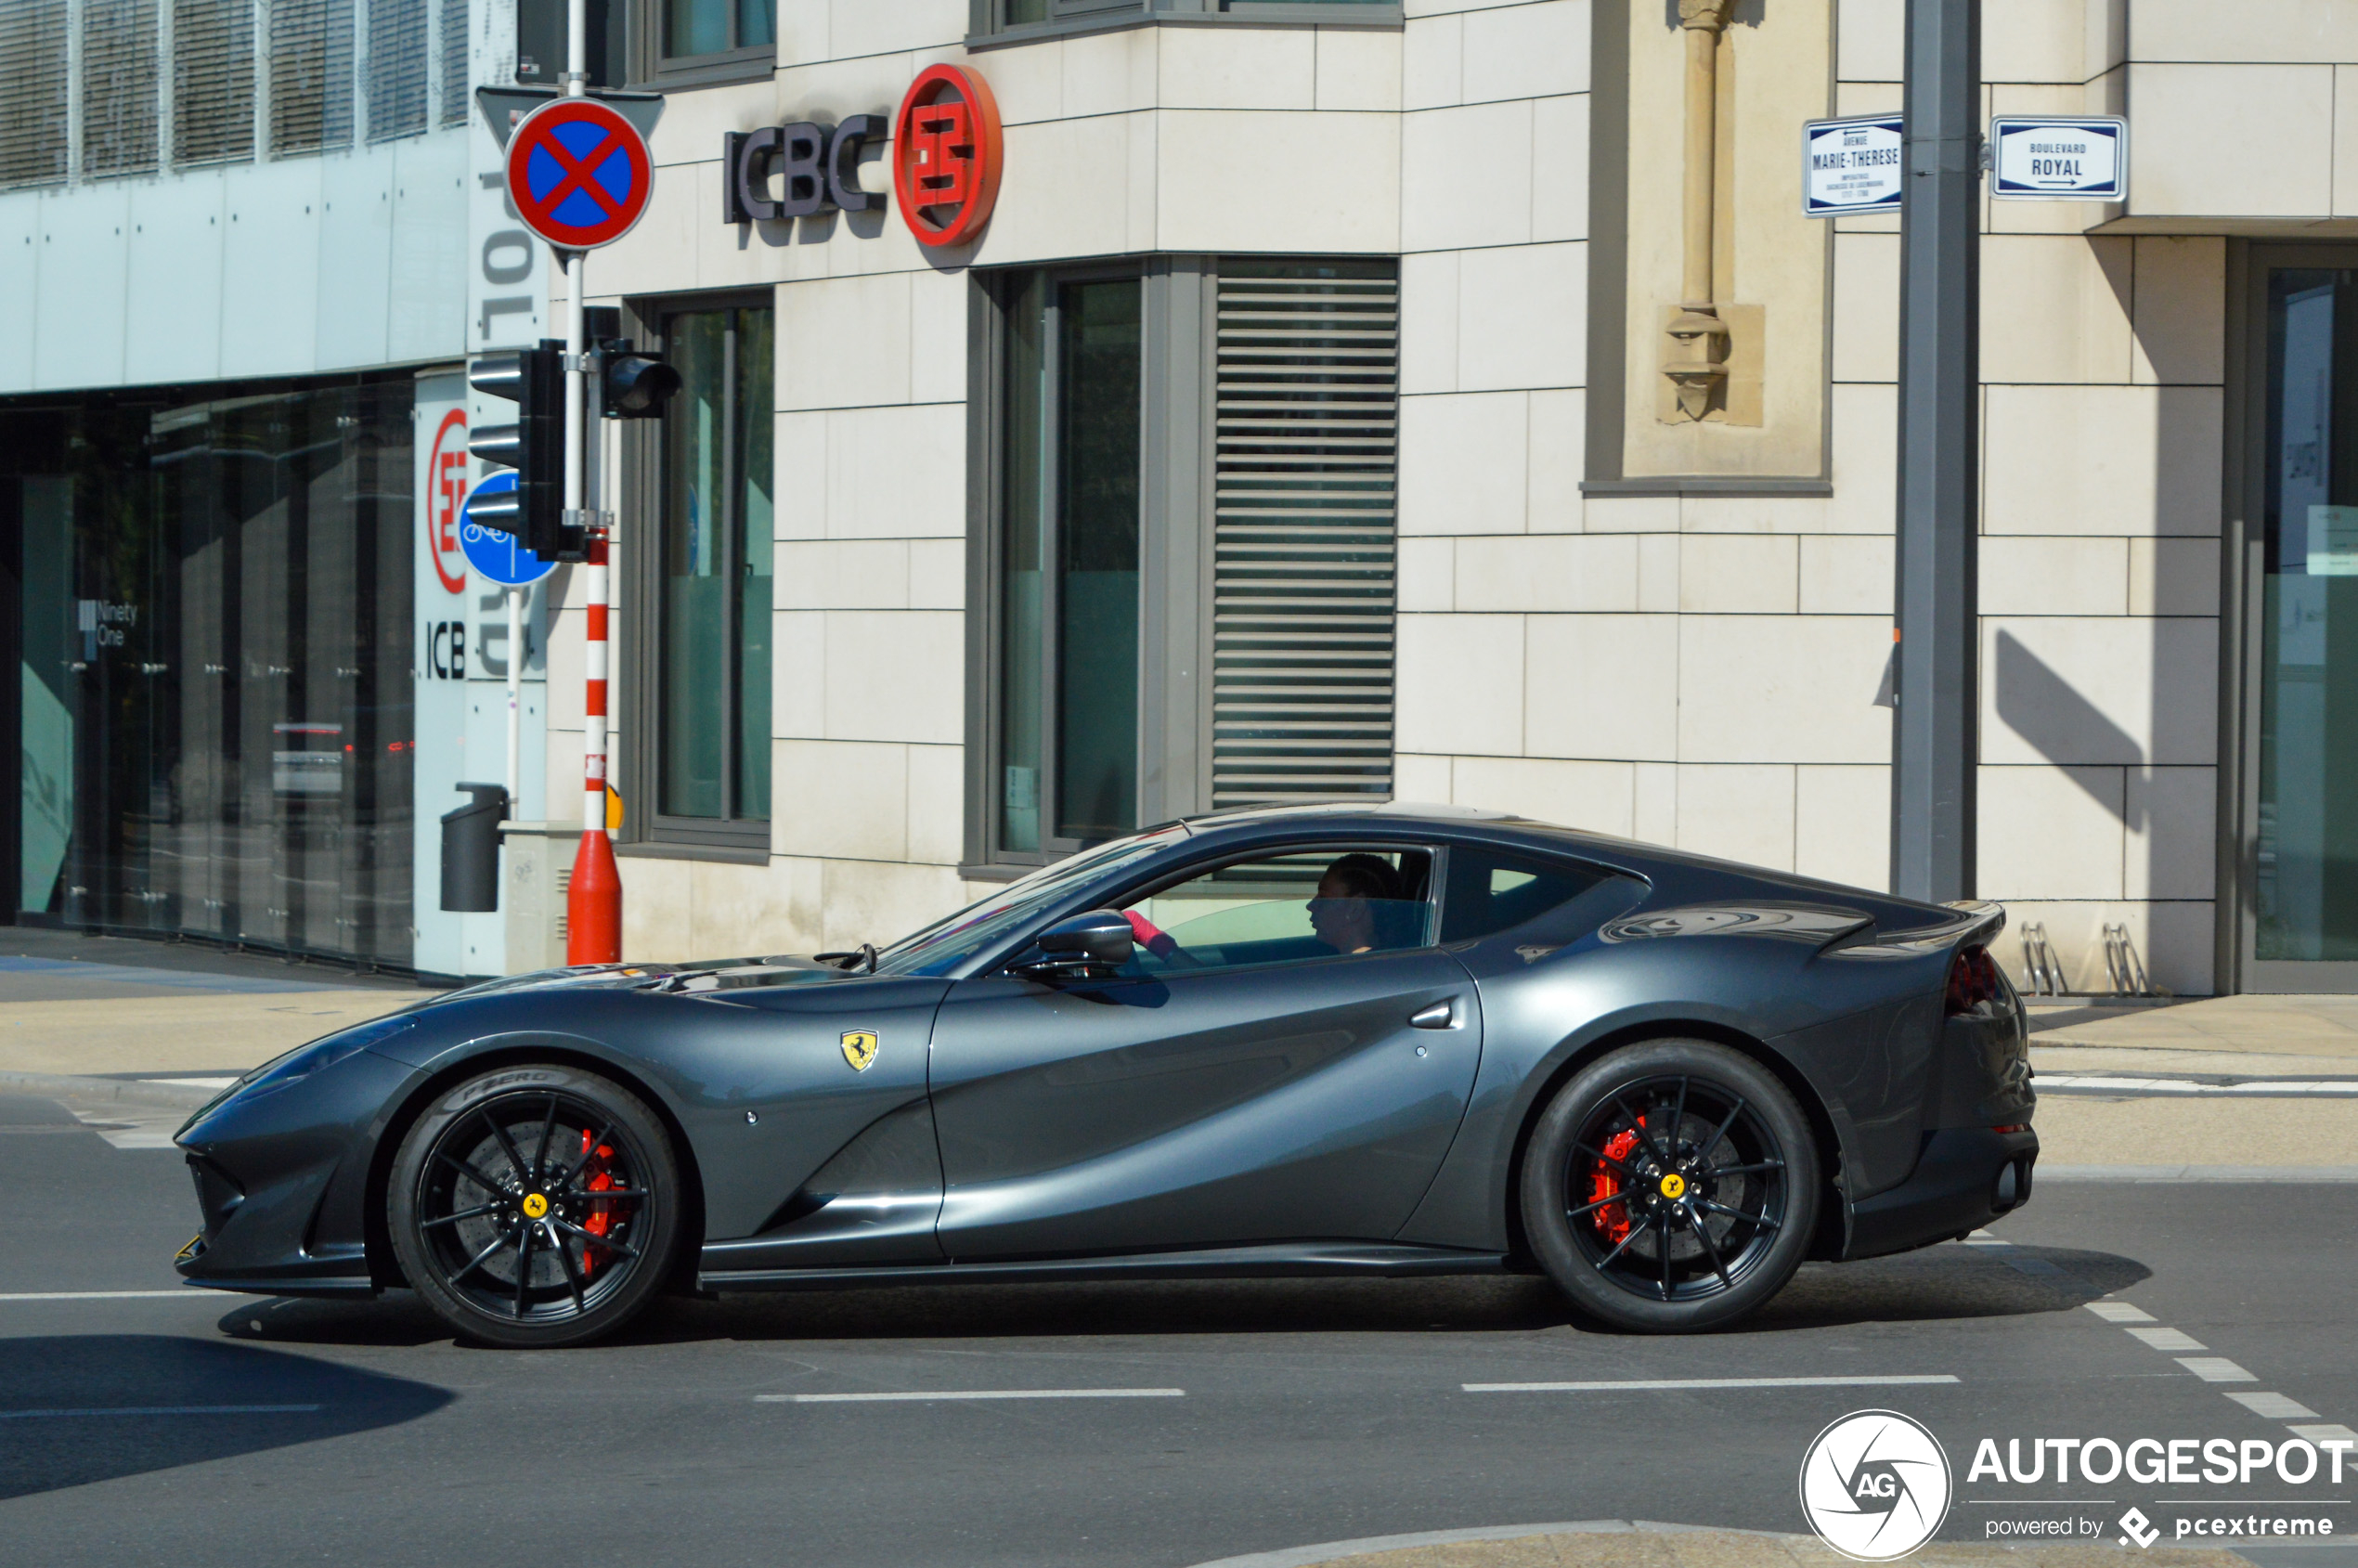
<point>578,173</point>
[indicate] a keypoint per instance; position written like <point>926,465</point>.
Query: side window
<point>1490,891</point>
<point>1286,909</point>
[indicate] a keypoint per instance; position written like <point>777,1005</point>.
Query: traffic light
<point>534,446</point>
<point>636,382</point>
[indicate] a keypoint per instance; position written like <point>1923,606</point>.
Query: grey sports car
<point>1325,1040</point>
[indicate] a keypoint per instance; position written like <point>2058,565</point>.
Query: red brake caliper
<point>601,1216</point>
<point>1612,1220</point>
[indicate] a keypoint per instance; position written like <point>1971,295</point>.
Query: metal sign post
<point>501,558</point>
<point>580,176</point>
<point>1935,733</point>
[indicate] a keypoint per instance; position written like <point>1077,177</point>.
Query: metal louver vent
<point>397,68</point>
<point>118,87</point>
<point>211,81</point>
<point>32,92</point>
<point>454,62</point>
<point>310,76</point>
<point>1307,415</point>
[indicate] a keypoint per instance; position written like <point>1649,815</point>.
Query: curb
<point>128,1091</point>
<point>2334,1174</point>
<point>1309,1557</point>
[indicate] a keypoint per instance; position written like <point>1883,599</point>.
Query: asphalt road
<point>1310,1411</point>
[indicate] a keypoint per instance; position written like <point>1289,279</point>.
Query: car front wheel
<point>536,1206</point>
<point>1671,1185</point>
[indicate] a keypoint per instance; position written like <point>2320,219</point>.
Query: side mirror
<point>1078,945</point>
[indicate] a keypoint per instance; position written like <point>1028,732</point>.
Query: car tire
<point>1671,1185</point>
<point>536,1206</point>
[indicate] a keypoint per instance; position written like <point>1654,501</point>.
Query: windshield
<point>946,943</point>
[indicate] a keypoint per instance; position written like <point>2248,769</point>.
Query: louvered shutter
<point>310,76</point>
<point>32,92</point>
<point>454,62</point>
<point>1306,418</point>
<point>118,87</point>
<point>211,81</point>
<point>397,68</point>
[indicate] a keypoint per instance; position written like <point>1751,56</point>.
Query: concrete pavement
<point>1615,1542</point>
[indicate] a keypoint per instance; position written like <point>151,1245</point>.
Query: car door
<point>1252,1076</point>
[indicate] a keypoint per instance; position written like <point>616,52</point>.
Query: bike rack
<point>2122,964</point>
<point>2038,962</point>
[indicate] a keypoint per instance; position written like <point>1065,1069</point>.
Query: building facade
<point>1317,414</point>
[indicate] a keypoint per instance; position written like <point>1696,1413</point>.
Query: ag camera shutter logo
<point>1876,1485</point>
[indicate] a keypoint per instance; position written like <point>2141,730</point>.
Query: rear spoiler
<point>1975,924</point>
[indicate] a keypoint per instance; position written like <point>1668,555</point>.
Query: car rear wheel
<point>1671,1185</point>
<point>536,1206</point>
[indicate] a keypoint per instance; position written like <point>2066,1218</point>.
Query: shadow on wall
<point>2069,729</point>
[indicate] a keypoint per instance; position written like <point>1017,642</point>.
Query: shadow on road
<point>1946,1282</point>
<point>115,1372</point>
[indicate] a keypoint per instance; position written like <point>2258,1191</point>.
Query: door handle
<point>1441,1015</point>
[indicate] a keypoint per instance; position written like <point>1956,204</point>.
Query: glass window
<point>1285,908</point>
<point>712,614</point>
<point>1027,13</point>
<point>1489,892</point>
<point>716,27</point>
<point>217,674</point>
<point>1068,588</point>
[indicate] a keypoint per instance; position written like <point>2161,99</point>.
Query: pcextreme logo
<point>1876,1485</point>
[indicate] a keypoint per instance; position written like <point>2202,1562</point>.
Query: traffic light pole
<point>593,902</point>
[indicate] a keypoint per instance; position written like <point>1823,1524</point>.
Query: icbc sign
<point>447,479</point>
<point>946,153</point>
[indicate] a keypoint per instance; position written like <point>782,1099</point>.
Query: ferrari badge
<point>860,1049</point>
<point>535,1205</point>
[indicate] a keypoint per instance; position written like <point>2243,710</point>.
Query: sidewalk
<point>97,1006</point>
<point>2294,1041</point>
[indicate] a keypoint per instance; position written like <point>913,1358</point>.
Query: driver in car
<point>1342,913</point>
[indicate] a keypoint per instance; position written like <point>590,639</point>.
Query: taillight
<point>1973,979</point>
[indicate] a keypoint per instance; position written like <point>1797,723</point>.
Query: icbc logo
<point>445,492</point>
<point>946,152</point>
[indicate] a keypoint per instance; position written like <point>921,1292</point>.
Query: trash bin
<point>470,850</point>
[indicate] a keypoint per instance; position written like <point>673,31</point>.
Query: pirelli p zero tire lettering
<point>536,1206</point>
<point>1671,1185</point>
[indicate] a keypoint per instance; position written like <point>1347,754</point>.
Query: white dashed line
<point>2189,1086</point>
<point>2167,1339</point>
<point>2120,1312</point>
<point>2215,1369</point>
<point>971,1394</point>
<point>1645,1383</point>
<point>2275,1406</point>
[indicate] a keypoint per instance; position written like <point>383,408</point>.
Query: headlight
<point>305,1060</point>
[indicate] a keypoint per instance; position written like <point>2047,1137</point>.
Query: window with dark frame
<point>1052,15</point>
<point>706,617</point>
<point>1185,554</point>
<point>707,39</point>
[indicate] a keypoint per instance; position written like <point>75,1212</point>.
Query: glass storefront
<point>215,702</point>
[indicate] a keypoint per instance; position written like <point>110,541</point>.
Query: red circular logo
<point>578,173</point>
<point>446,493</point>
<point>946,152</point>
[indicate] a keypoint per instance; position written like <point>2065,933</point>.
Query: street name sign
<point>2049,158</point>
<point>500,558</point>
<point>578,173</point>
<point>1854,165</point>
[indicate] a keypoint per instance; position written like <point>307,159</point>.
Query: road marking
<point>2167,1339</point>
<point>970,1394</point>
<point>2215,1369</point>
<point>1645,1383</point>
<point>2118,1311</point>
<point>2189,1086</point>
<point>2327,1433</point>
<point>2275,1406</point>
<point>184,1292</point>
<point>164,1411</point>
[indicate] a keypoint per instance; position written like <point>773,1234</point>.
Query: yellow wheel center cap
<point>536,1205</point>
<point>1674,1185</point>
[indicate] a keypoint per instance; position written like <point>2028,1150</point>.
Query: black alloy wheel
<point>1671,1185</point>
<point>536,1206</point>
